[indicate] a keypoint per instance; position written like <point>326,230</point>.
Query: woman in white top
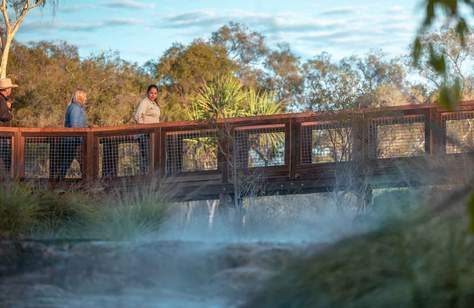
<point>148,112</point>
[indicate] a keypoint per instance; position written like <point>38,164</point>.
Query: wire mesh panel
<point>397,137</point>
<point>5,155</point>
<point>260,147</point>
<point>58,157</point>
<point>121,156</point>
<point>326,143</point>
<point>459,132</point>
<point>191,151</point>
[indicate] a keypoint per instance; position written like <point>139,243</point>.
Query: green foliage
<point>284,76</point>
<point>47,214</point>
<point>223,97</point>
<point>470,211</point>
<point>451,12</point>
<point>444,66</point>
<point>261,103</point>
<point>183,70</point>
<point>450,95</point>
<point>410,265</point>
<point>127,216</point>
<point>63,214</point>
<point>19,209</point>
<point>226,97</point>
<point>113,86</point>
<point>353,82</point>
<point>244,46</point>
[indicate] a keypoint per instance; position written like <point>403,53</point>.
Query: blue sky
<point>141,30</point>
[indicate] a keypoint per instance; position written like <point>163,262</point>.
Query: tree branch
<point>5,16</point>
<point>20,19</point>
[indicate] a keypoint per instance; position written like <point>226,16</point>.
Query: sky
<point>142,30</point>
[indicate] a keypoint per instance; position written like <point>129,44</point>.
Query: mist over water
<point>297,219</point>
<point>194,261</point>
<point>204,255</point>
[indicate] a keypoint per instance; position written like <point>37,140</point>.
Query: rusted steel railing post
<point>91,157</point>
<point>17,167</point>
<point>292,138</point>
<point>155,149</point>
<point>435,132</point>
<point>363,146</point>
<point>163,154</point>
<point>360,139</point>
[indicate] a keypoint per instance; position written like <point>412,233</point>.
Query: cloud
<point>344,28</point>
<point>74,8</point>
<point>42,26</point>
<point>207,19</point>
<point>339,11</point>
<point>129,4</point>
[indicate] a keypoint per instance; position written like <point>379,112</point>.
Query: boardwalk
<point>279,154</point>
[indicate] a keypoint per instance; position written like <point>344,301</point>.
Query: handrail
<point>223,146</point>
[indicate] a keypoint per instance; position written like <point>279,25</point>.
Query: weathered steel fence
<point>279,154</point>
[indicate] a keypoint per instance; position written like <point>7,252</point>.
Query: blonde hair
<point>79,96</point>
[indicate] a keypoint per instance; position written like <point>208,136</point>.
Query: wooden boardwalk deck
<point>278,154</point>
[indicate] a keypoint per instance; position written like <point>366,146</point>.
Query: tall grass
<point>25,212</point>
<point>19,210</point>
<point>136,213</point>
<point>424,260</point>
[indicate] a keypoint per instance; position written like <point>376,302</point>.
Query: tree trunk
<point>6,52</point>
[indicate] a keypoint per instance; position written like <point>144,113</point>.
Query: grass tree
<point>14,13</point>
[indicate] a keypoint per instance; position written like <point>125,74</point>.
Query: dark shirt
<point>75,116</point>
<point>5,112</point>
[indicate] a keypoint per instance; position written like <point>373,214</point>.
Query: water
<point>195,260</point>
<point>145,274</point>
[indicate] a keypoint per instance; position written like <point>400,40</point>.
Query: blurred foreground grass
<point>418,258</point>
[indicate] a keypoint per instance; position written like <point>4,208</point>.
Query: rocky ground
<point>146,274</point>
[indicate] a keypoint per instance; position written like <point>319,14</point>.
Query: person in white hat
<point>6,87</point>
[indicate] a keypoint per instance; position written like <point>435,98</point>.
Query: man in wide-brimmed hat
<point>6,87</point>
<point>6,115</point>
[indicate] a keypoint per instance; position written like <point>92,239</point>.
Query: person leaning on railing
<point>67,149</point>
<point>148,112</point>
<point>6,115</point>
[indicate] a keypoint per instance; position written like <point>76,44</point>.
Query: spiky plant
<point>222,98</point>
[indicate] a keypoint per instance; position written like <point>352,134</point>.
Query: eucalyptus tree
<point>457,59</point>
<point>14,13</point>
<point>454,14</point>
<point>183,70</point>
<point>276,70</point>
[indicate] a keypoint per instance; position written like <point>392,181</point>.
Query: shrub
<point>64,215</point>
<point>128,215</point>
<point>32,213</point>
<point>19,209</point>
